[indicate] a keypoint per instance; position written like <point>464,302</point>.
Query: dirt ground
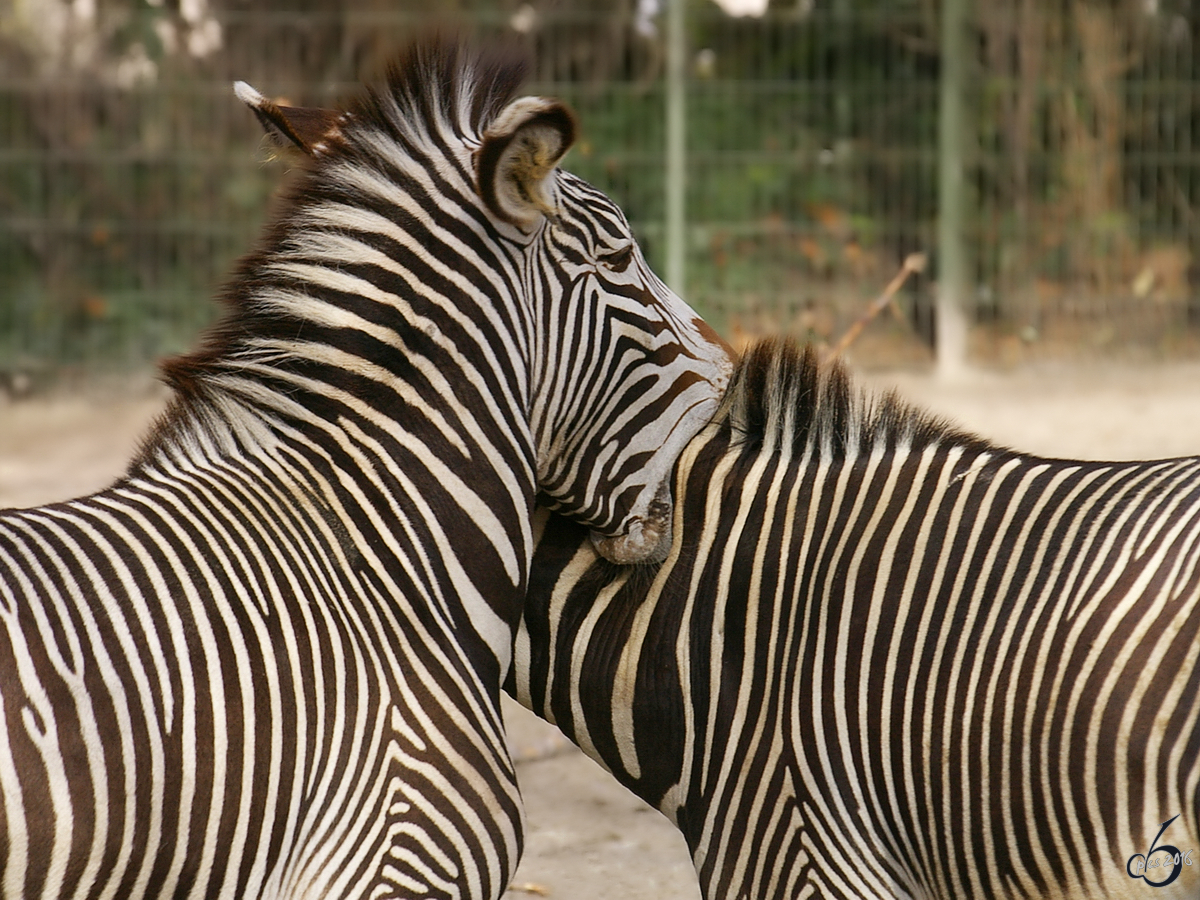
<point>587,838</point>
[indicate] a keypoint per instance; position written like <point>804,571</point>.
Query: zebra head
<point>621,373</point>
<point>625,372</point>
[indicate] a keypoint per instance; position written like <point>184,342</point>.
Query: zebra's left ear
<point>310,129</point>
<point>515,165</point>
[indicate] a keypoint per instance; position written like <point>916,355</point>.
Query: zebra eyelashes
<point>618,260</point>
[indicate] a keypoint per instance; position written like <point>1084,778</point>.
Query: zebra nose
<point>647,538</point>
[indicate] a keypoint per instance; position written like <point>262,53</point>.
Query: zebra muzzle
<point>648,537</point>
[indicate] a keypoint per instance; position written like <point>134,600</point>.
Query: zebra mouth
<point>647,539</point>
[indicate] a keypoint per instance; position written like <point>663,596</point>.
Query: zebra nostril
<point>647,540</point>
<point>640,545</point>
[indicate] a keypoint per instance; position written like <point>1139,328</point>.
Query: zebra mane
<point>441,82</point>
<point>781,398</point>
<point>437,89</point>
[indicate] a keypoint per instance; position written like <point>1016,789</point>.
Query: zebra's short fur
<point>888,659</point>
<point>267,661</point>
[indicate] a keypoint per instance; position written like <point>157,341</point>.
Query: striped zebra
<point>267,661</point>
<point>888,659</point>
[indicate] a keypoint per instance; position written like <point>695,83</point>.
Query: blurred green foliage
<point>130,178</point>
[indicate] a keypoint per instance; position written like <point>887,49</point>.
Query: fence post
<point>676,149</point>
<point>953,277</point>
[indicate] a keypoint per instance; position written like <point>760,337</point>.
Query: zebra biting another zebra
<point>267,661</point>
<point>886,659</point>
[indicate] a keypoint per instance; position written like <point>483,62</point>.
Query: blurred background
<point>808,162</point>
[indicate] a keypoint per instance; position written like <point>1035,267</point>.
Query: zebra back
<point>888,659</point>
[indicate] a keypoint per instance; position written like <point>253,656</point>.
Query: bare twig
<point>914,262</point>
<point>529,887</point>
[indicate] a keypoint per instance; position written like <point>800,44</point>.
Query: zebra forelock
<point>467,89</point>
<point>783,399</point>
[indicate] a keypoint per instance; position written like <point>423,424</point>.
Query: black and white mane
<point>397,133</point>
<point>783,399</point>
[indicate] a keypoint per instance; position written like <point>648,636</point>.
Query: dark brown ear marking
<point>311,129</point>
<point>520,151</point>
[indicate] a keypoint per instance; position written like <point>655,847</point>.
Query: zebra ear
<point>308,128</point>
<point>515,165</point>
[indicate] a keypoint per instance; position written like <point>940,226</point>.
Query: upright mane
<point>436,93</point>
<point>440,83</point>
<point>784,400</point>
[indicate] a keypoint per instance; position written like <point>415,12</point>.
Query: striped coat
<point>886,659</point>
<point>267,661</point>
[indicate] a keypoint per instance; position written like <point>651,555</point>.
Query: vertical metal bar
<point>841,102</point>
<point>676,150</point>
<point>953,273</point>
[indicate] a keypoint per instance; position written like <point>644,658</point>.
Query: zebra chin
<point>647,539</point>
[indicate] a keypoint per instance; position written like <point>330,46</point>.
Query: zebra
<point>886,658</point>
<point>267,661</point>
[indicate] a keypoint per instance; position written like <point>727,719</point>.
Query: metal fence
<point>130,178</point>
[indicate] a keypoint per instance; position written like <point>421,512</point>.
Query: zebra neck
<point>345,328</point>
<point>595,656</point>
<point>393,497</point>
<point>393,437</point>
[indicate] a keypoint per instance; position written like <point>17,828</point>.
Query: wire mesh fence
<point>131,179</point>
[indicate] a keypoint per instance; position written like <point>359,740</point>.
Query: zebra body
<point>267,662</point>
<point>885,659</point>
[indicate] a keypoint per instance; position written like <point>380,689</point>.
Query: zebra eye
<point>617,260</point>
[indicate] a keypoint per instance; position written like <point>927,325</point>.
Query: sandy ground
<point>587,838</point>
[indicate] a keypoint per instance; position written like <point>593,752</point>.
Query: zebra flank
<point>887,659</point>
<point>266,662</point>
